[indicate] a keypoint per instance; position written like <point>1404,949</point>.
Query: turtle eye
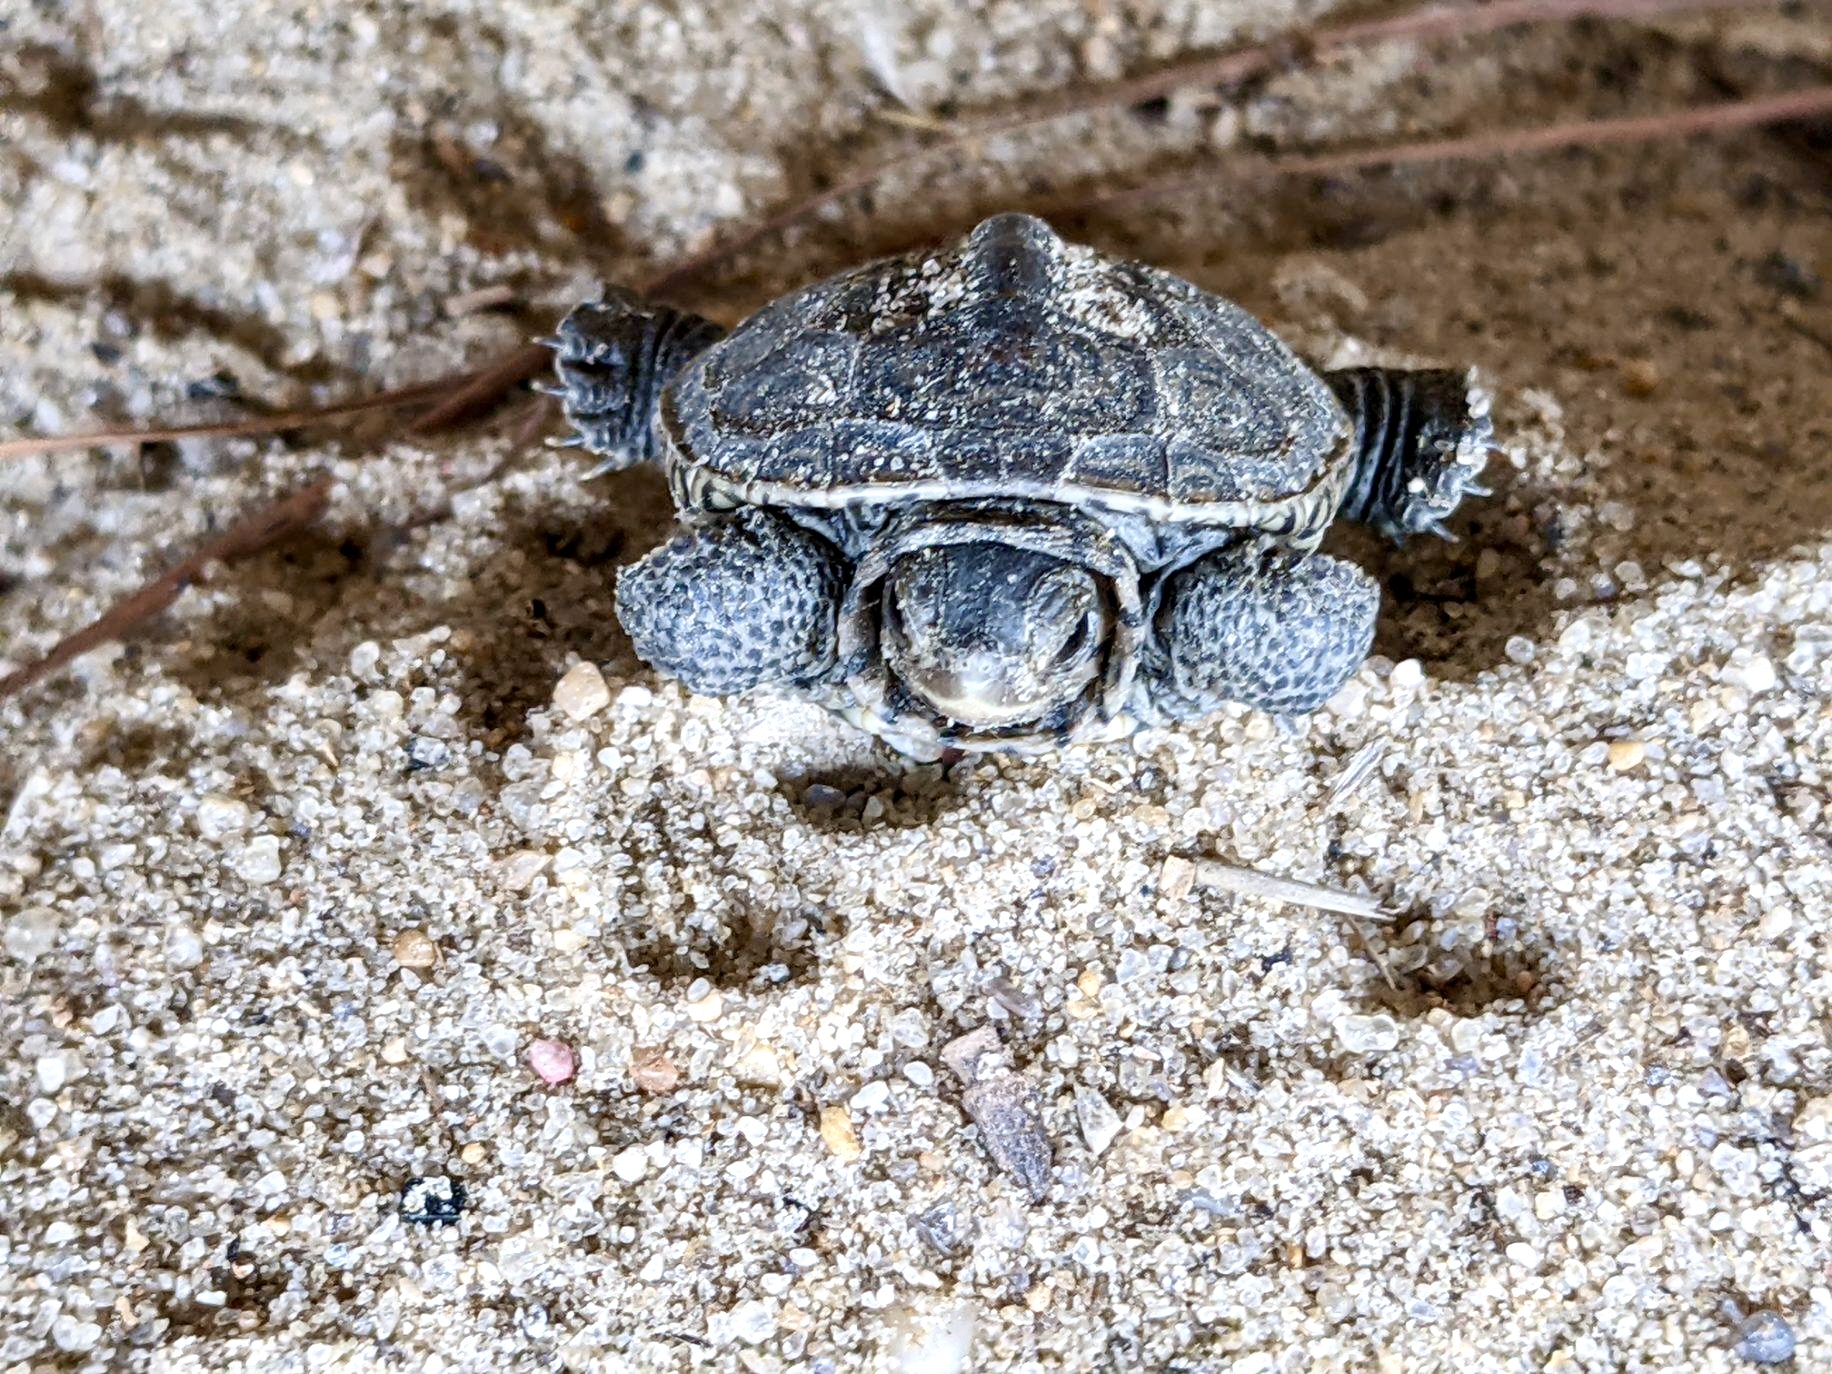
<point>911,605</point>
<point>1057,597</point>
<point>918,598</point>
<point>1072,646</point>
<point>1058,612</point>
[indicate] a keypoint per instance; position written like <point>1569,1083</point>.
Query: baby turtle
<point>1010,494</point>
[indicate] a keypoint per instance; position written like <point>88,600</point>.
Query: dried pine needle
<point>1248,882</point>
<point>1356,771</point>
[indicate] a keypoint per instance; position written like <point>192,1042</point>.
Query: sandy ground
<point>291,885</point>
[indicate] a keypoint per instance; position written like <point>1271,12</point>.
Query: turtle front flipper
<point>734,602</point>
<point>1421,439</point>
<point>1274,630</point>
<point>613,357</point>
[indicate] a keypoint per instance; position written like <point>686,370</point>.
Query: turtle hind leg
<point>735,602</point>
<point>613,357</point>
<point>1422,439</point>
<point>1278,631</point>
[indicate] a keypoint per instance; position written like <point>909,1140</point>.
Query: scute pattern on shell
<point>1011,365</point>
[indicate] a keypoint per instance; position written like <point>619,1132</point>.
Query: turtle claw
<point>569,441</point>
<point>1477,489</point>
<point>1422,438</point>
<point>613,359</point>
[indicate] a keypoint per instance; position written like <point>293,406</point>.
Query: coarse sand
<point>398,974</point>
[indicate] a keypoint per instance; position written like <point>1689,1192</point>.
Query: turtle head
<point>991,635</point>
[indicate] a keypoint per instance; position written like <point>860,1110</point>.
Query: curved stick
<point>1581,133</point>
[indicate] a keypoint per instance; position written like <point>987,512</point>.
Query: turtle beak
<point>980,689</point>
<point>991,635</point>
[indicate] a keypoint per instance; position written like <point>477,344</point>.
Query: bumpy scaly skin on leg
<point>613,357</point>
<point>1423,439</point>
<point>1277,631</point>
<point>739,601</point>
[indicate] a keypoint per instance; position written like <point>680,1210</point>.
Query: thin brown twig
<point>1719,117</point>
<point>247,536</point>
<point>1422,24</point>
<point>1582,133</point>
<point>1808,140</point>
<point>1425,24</point>
<point>479,389</point>
<point>1806,331</point>
<point>229,429</point>
<point>476,389</point>
<point>467,393</point>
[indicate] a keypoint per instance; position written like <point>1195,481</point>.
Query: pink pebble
<point>552,1060</point>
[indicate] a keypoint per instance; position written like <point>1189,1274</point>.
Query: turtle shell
<point>1012,365</point>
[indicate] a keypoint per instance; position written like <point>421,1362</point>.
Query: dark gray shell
<point>1013,365</point>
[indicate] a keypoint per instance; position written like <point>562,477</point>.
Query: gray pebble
<point>1765,1338</point>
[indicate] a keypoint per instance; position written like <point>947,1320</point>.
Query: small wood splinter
<point>248,536</point>
<point>1248,882</point>
<point>1004,1106</point>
